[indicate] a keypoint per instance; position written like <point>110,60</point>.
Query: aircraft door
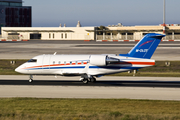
<point>45,63</point>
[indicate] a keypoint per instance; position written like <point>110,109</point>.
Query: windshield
<point>32,60</point>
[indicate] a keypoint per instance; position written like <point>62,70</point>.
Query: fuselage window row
<point>72,63</point>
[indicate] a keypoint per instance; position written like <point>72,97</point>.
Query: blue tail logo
<point>146,47</point>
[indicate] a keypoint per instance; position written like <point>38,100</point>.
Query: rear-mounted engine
<point>102,60</point>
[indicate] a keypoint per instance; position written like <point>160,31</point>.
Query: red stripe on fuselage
<point>53,65</point>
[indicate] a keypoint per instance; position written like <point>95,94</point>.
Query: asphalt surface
<point>80,42</point>
<point>107,87</point>
<point>29,49</point>
<point>110,83</point>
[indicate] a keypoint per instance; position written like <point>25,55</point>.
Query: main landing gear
<point>85,79</point>
<point>93,79</point>
<point>31,78</point>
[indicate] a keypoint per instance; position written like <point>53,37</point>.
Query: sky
<point>50,13</point>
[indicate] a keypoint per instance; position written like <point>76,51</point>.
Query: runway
<point>156,88</point>
<point>107,83</point>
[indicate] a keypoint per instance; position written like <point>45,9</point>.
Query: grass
<point>159,70</point>
<point>91,109</point>
<point>6,68</point>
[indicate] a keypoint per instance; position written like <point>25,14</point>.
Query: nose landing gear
<point>31,78</point>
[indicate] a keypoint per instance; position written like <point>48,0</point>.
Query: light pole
<point>164,17</point>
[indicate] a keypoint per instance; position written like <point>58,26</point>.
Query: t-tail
<point>146,47</point>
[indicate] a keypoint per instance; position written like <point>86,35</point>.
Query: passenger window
<point>53,62</point>
<point>59,62</point>
<point>32,60</point>
<point>70,63</point>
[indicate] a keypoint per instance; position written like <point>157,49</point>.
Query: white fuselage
<point>94,65</point>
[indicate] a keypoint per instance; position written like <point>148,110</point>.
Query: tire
<point>85,81</point>
<point>93,79</point>
<point>30,80</point>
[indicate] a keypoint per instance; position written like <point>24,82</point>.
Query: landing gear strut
<point>31,78</point>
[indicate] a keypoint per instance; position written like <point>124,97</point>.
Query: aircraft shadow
<point>110,83</point>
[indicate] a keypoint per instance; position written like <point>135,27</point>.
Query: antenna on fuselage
<point>55,53</point>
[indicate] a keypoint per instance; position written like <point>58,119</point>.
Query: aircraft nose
<point>20,69</point>
<point>17,69</point>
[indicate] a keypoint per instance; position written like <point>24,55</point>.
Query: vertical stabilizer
<point>146,47</point>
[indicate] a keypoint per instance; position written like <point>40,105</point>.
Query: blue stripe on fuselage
<point>90,67</point>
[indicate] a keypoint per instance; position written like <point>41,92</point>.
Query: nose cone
<point>18,69</point>
<point>21,69</point>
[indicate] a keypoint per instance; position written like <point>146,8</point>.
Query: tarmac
<point>45,89</point>
<point>30,49</point>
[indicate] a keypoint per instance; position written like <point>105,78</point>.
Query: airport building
<point>49,33</point>
<point>110,33</point>
<point>120,32</point>
<point>14,14</point>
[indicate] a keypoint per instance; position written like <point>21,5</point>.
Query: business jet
<point>90,67</point>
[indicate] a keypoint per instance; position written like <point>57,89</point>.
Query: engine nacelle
<point>98,60</point>
<point>102,60</point>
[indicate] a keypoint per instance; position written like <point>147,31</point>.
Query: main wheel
<point>93,79</point>
<point>85,81</point>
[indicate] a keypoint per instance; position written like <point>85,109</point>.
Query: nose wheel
<point>31,78</point>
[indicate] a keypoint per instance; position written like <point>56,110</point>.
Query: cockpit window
<point>32,60</point>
